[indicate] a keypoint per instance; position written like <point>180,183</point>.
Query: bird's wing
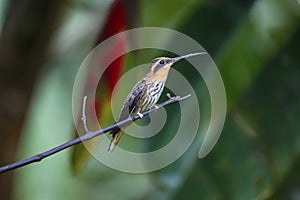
<point>128,107</point>
<point>131,101</point>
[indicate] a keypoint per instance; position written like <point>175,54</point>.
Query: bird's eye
<point>161,62</point>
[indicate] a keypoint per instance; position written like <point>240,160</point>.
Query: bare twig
<point>83,118</point>
<point>87,136</point>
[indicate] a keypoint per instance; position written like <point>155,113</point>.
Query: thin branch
<point>87,136</point>
<point>83,118</point>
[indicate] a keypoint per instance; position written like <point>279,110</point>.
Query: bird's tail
<point>116,136</point>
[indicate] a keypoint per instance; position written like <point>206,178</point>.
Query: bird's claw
<point>140,115</point>
<point>156,107</point>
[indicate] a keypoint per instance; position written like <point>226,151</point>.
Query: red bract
<point>116,22</point>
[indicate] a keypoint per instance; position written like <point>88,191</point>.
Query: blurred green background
<point>255,44</point>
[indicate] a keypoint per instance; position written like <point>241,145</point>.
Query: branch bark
<point>87,136</point>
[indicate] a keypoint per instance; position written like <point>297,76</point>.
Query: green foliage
<point>255,45</point>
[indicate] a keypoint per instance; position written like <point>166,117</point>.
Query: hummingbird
<point>145,93</point>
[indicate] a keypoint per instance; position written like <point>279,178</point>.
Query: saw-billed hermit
<point>146,92</point>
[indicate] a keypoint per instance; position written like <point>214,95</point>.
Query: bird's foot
<point>156,107</point>
<point>140,115</point>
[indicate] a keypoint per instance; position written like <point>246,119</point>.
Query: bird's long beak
<point>173,60</point>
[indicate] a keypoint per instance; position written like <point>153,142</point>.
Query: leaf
<point>240,60</point>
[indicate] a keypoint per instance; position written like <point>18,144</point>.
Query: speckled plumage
<point>145,93</point>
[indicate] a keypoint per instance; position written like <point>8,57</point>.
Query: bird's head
<point>159,67</point>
